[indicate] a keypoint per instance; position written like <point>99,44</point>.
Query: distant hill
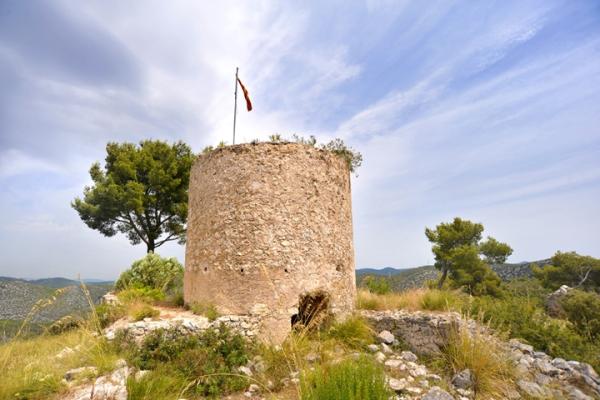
<point>18,297</point>
<point>403,279</point>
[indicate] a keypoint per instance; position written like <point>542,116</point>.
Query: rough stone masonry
<point>270,234</point>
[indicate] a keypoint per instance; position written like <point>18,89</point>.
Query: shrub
<point>438,300</point>
<point>140,311</point>
<point>206,309</point>
<point>377,284</point>
<point>154,272</point>
<point>209,360</point>
<point>108,313</point>
<point>354,332</point>
<point>360,379</point>
<point>141,294</point>
<point>492,369</point>
<point>65,324</point>
<point>583,310</point>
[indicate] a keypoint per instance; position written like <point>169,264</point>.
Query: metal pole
<point>235,103</point>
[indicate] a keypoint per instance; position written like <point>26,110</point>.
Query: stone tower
<point>270,234</point>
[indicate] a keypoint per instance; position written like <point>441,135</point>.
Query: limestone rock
<point>463,379</point>
<point>386,337</point>
<point>436,393</point>
<point>77,373</point>
<point>553,306</point>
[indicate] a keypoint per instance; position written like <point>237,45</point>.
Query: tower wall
<point>269,223</point>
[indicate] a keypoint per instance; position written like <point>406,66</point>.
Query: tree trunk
<point>150,246</point>
<point>443,277</point>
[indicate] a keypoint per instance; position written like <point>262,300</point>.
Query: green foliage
<point>311,141</point>
<point>439,300</point>
<point>65,324</point>
<point>221,144</point>
<point>108,313</point>
<point>208,310</point>
<point>457,250</point>
<point>152,272</point>
<point>275,138</point>
<point>471,273</point>
<point>352,157</point>
<point>141,294</point>
<point>142,311</point>
<point>142,192</point>
<point>523,317</point>
<point>361,379</point>
<point>160,384</point>
<point>354,332</point>
<point>493,371</point>
<point>583,310</point>
<point>376,284</point>
<point>208,359</point>
<point>495,252</point>
<point>207,149</point>
<point>570,269</point>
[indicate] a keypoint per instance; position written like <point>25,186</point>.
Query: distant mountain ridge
<point>403,279</point>
<point>18,297</point>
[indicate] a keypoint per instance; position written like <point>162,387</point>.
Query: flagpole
<point>235,103</point>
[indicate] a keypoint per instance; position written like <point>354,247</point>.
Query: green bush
<point>354,332</point>
<point>361,379</point>
<point>108,313</point>
<point>439,300</point>
<point>154,272</point>
<point>141,294</point>
<point>206,309</point>
<point>209,359</point>
<point>377,284</point>
<point>583,310</point>
<point>142,311</point>
<point>524,318</point>
<point>65,324</point>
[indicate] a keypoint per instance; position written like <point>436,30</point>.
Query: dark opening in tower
<point>313,310</point>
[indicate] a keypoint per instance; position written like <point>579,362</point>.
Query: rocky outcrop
<point>247,326</point>
<point>106,387</point>
<point>423,332</point>
<point>553,306</point>
<point>538,376</point>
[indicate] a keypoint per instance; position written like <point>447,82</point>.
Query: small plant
<point>354,332</point>
<point>207,149</point>
<point>140,311</point>
<point>491,367</point>
<point>108,313</point>
<point>377,284</point>
<point>207,310</point>
<point>438,300</point>
<point>311,141</point>
<point>275,138</point>
<point>222,144</point>
<point>352,157</point>
<point>65,324</point>
<point>141,294</point>
<point>360,379</point>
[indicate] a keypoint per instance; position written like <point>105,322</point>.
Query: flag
<point>246,95</point>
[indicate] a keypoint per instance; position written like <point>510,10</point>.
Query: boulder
<point>436,393</point>
<point>553,306</point>
<point>386,337</point>
<point>463,379</point>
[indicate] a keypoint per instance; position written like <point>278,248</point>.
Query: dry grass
<point>492,368</point>
<point>31,368</point>
<point>411,300</point>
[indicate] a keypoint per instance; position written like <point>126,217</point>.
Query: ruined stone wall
<point>267,224</point>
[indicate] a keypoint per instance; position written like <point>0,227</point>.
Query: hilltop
<point>410,278</point>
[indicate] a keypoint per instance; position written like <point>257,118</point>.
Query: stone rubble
<point>107,387</point>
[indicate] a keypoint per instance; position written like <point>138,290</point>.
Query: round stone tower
<point>270,234</point>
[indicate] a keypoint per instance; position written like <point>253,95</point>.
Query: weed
<point>360,379</point>
<point>208,310</point>
<point>354,332</point>
<point>139,311</point>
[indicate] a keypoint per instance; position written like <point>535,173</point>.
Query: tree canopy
<point>570,269</point>
<point>142,192</point>
<point>458,253</point>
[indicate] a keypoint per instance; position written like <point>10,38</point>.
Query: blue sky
<point>487,110</point>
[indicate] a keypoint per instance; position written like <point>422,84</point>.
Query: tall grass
<point>491,367</point>
<point>360,379</point>
<point>411,300</point>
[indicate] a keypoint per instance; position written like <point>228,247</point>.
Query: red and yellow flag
<point>246,95</point>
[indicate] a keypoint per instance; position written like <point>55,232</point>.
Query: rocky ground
<point>539,376</point>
